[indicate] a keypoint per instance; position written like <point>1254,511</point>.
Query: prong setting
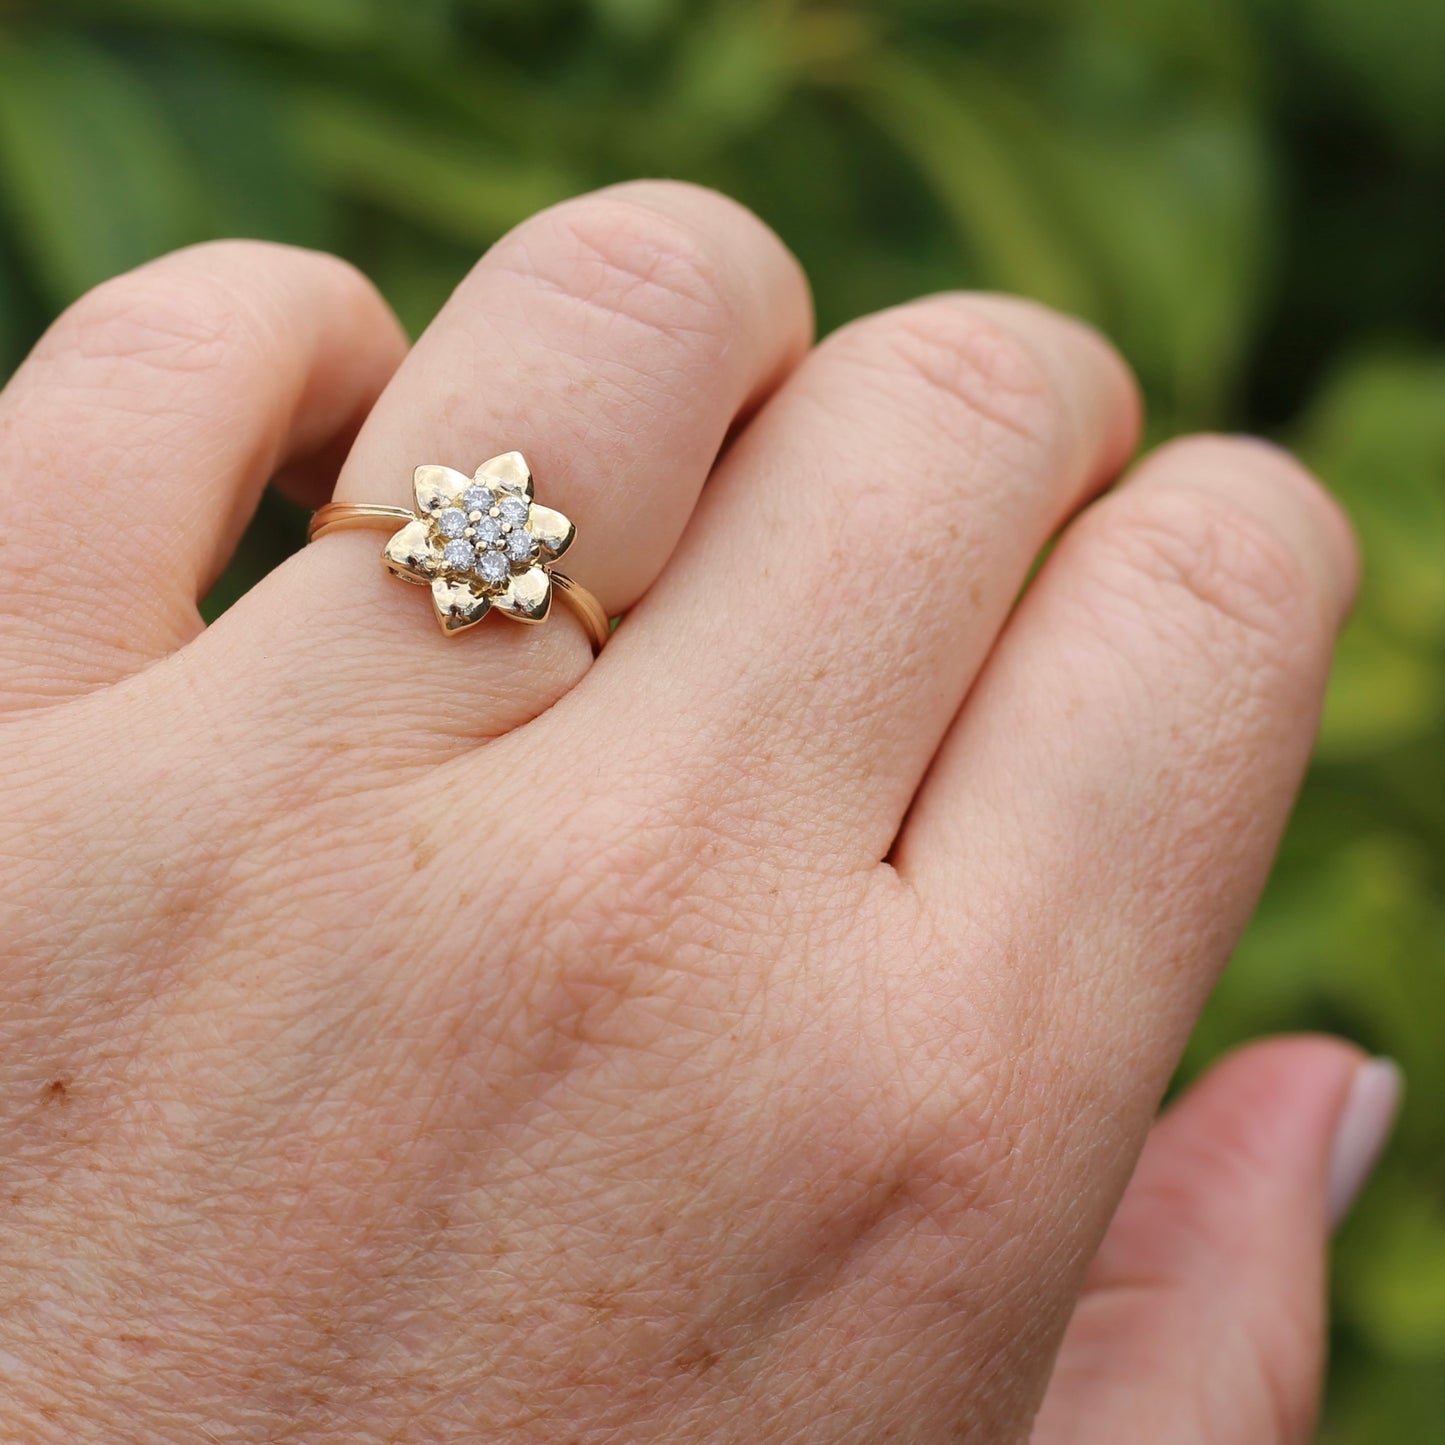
<point>481,542</point>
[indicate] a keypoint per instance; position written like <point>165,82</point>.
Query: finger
<point>613,341</point>
<point>135,441</point>
<point>1202,1319</point>
<point>1115,788</point>
<point>857,554</point>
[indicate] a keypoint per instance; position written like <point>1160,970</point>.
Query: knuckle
<point>1226,565</point>
<point>962,1090</point>
<point>222,305</point>
<point>948,379</point>
<point>963,1140</point>
<point>639,916</point>
<point>627,264</point>
<point>963,369</point>
<point>184,315</point>
<point>132,323</point>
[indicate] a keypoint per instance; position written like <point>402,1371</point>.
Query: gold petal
<point>456,605</point>
<point>551,529</point>
<point>411,554</point>
<point>528,597</point>
<point>437,487</point>
<point>507,473</point>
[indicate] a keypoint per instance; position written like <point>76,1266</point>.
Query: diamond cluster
<point>483,536</point>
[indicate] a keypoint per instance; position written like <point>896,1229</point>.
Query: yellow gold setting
<point>480,543</point>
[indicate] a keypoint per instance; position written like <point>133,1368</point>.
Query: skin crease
<point>748,1036</point>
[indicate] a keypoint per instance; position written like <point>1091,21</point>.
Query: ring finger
<point>614,341</point>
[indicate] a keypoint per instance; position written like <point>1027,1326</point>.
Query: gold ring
<point>480,543</point>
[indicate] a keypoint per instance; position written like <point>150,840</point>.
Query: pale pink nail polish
<point>1362,1132</point>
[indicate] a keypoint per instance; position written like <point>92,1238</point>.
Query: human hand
<point>747,1036</point>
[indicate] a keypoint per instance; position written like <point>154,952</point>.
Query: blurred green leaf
<point>1383,691</point>
<point>973,141</point>
<point>1394,1282</point>
<point>240,136</point>
<point>1392,54</point>
<point>94,179</point>
<point>733,68</point>
<point>1377,433</point>
<point>455,184</point>
<point>320,23</point>
<point>1178,223</point>
<point>12,322</point>
<point>635,20</point>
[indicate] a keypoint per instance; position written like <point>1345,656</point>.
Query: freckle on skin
<point>696,1361</point>
<point>423,850</point>
<point>58,1090</point>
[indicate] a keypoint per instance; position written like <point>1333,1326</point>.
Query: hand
<point>747,1036</point>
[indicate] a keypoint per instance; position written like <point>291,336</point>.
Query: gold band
<point>586,609</point>
<point>370,516</point>
<point>354,516</point>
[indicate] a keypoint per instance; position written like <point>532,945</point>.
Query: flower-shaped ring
<point>480,543</point>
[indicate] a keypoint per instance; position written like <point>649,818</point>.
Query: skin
<point>748,1036</point>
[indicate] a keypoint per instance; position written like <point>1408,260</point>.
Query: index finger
<point>1116,787</point>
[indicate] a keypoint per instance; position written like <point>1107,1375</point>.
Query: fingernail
<point>1362,1132</point>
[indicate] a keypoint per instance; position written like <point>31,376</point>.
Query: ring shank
<point>371,516</point>
<point>585,608</point>
<point>356,516</point>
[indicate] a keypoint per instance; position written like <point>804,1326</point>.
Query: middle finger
<point>857,554</point>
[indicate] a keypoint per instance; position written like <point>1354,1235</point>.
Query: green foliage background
<point>1245,193</point>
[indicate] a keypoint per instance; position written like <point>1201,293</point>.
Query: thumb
<point>1202,1320</point>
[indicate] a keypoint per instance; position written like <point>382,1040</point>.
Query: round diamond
<point>478,499</point>
<point>513,510</point>
<point>452,522</point>
<point>492,567</point>
<point>488,530</point>
<point>520,545</point>
<point>459,554</point>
